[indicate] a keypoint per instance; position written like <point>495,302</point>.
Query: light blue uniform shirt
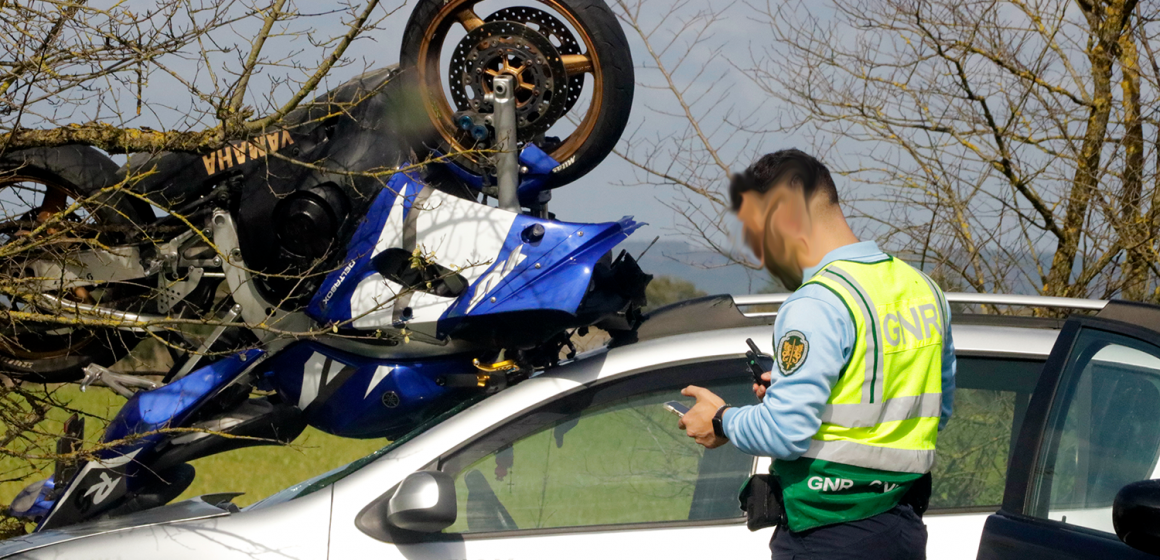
<point>791,413</point>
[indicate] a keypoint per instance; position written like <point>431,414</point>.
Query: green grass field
<point>257,471</point>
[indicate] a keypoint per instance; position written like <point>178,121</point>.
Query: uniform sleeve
<point>949,367</point>
<point>782,425</point>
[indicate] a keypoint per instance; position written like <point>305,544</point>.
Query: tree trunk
<point>1107,24</point>
<point>1133,231</point>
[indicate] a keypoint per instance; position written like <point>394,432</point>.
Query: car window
<point>991,398</point>
<point>330,477</point>
<point>1103,431</point>
<point>613,457</point>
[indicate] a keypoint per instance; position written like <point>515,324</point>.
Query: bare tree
<point>698,129</point>
<point>988,139</point>
<point>80,74</point>
<point>1002,145</point>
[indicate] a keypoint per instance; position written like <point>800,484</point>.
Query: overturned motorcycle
<point>349,263</point>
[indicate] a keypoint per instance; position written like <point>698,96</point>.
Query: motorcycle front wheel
<point>555,50</point>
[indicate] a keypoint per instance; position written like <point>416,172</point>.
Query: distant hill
<point>693,264</point>
<point>679,259</point>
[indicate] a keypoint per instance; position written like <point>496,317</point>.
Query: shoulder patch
<point>791,352</point>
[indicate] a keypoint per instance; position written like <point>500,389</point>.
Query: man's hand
<point>759,390</point>
<point>698,422</point>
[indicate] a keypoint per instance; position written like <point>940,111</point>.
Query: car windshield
<point>330,477</point>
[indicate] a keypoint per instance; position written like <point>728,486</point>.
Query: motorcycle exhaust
<point>81,311</point>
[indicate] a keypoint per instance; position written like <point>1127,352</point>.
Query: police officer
<point>864,374</point>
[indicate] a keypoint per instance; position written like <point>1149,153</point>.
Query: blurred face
<point>752,216</point>
<point>774,225</point>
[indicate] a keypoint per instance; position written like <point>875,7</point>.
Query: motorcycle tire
<point>609,62</point>
<point>47,355</point>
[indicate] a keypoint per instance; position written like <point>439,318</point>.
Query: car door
<point>991,397</point>
<point>602,473</point>
<point>1091,429</point>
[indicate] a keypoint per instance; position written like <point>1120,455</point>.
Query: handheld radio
<point>757,362</point>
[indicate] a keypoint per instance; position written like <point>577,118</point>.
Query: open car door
<point>1080,483</point>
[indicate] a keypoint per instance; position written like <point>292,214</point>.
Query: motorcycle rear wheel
<point>46,352</point>
<point>605,57</point>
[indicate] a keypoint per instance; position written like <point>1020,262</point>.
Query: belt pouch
<point>761,501</point>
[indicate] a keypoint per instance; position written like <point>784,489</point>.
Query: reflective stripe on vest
<point>926,405</point>
<point>883,412</point>
<point>887,458</point>
<point>875,359</point>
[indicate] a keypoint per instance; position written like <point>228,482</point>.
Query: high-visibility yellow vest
<point>880,425</point>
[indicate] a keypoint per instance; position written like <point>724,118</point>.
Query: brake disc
<point>505,47</point>
<point>560,36</point>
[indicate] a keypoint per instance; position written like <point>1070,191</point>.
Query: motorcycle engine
<point>307,222</point>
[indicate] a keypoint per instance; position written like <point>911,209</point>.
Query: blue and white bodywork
<point>359,397</point>
<point>149,425</point>
<point>489,262</point>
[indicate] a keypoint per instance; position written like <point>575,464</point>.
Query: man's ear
<point>789,213</point>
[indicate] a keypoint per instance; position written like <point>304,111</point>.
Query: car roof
<point>974,332</point>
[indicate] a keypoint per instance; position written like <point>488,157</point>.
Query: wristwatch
<point>718,426</point>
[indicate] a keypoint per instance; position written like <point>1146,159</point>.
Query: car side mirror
<point>424,502</point>
<point>1136,515</point>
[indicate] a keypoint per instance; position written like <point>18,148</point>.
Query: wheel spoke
<point>468,19</point>
<point>576,63</point>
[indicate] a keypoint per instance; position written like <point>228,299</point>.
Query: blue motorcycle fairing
<point>170,405</point>
<point>548,271</point>
<point>358,397</point>
<point>122,469</point>
<point>551,273</point>
<point>537,166</point>
<point>32,502</point>
<point>332,303</point>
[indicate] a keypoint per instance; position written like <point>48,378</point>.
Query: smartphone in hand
<point>758,363</point>
<point>676,408</point>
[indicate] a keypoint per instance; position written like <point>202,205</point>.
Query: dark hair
<point>784,167</point>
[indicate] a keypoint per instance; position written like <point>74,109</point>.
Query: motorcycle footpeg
<point>503,366</point>
<point>118,382</point>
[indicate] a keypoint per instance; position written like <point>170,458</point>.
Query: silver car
<point>584,461</point>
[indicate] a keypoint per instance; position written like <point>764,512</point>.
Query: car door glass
<point>973,451</point>
<point>1104,432</point>
<point>618,462</point>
